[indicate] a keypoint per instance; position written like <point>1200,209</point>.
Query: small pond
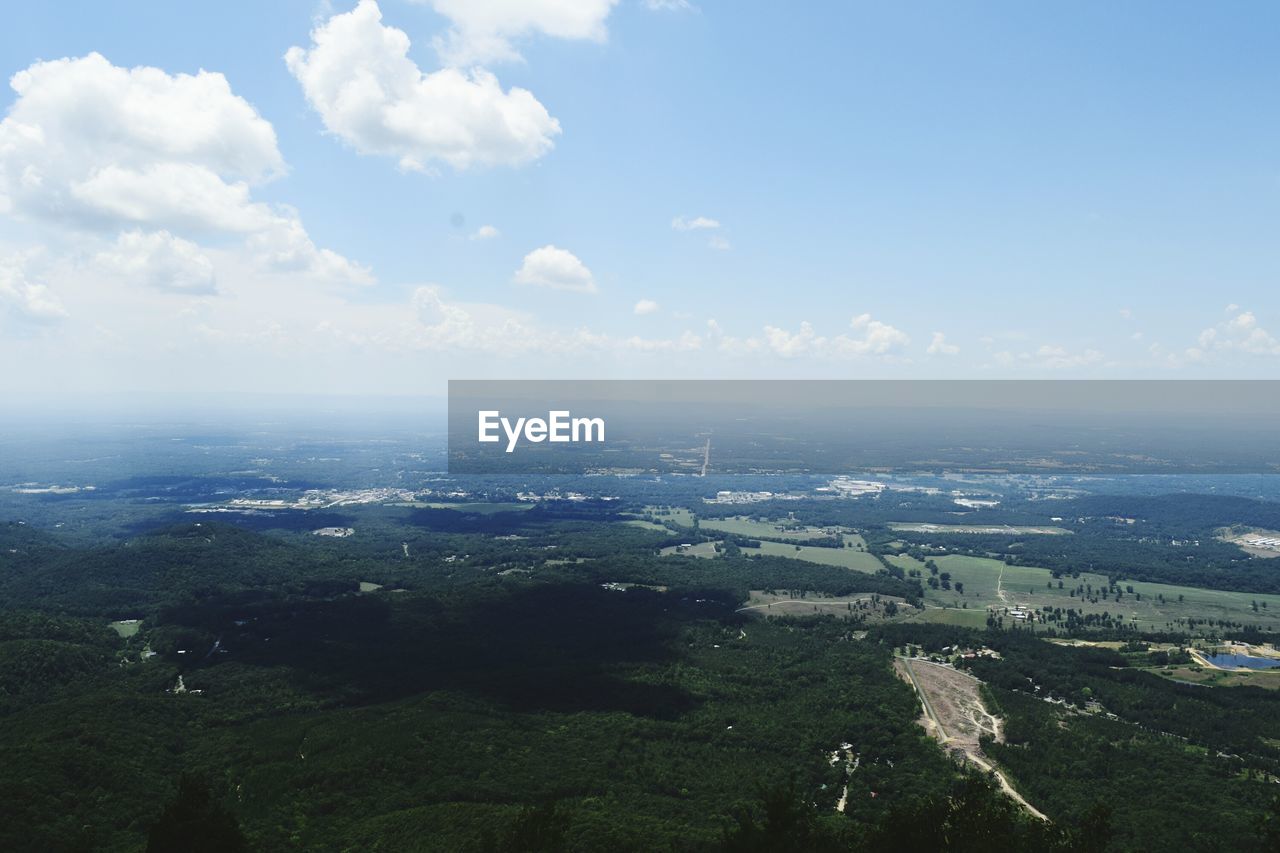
<point>1231,660</point>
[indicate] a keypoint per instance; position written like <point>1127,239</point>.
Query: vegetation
<point>517,677</point>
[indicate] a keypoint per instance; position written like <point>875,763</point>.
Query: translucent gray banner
<point>702,427</point>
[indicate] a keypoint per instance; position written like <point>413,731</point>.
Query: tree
<point>1268,828</point>
<point>786,822</point>
<point>195,822</point>
<point>537,829</point>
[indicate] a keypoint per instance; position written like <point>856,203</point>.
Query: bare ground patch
<point>954,715</point>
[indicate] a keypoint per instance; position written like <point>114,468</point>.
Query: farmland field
<point>988,529</point>
<point>646,525</point>
<point>991,583</point>
<point>1220,678</point>
<point>696,549</point>
<point>126,627</point>
<point>676,515</point>
<point>752,529</point>
<point>849,558</point>
<point>770,603</point>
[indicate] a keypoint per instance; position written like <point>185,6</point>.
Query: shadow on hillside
<point>552,647</point>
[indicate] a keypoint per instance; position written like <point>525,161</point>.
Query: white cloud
<point>877,339</point>
<point>160,260</point>
<point>434,312</point>
<point>1241,333</point>
<point>687,342</point>
<point>485,232</point>
<point>358,76</point>
<point>1050,357</point>
<point>483,30</point>
<point>89,141</point>
<point>939,346</point>
<point>180,195</point>
<point>285,247</point>
<point>669,5</point>
<point>791,344</point>
<point>646,306</point>
<point>1059,357</point>
<point>557,269</point>
<point>92,147</point>
<point>25,299</point>
<point>701,223</point>
<point>696,223</point>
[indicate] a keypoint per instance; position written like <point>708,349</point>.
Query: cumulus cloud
<point>876,338</point>
<point>285,247</point>
<point>1050,357</point>
<point>557,269</point>
<point>160,260</point>
<point>482,31</point>
<point>24,299</point>
<point>181,195</point>
<point>485,232</point>
<point>1241,333</point>
<point>358,76</point>
<point>696,223</point>
<point>939,346</point>
<point>89,141</point>
<point>432,311</point>
<point>791,344</point>
<point>702,223</point>
<point>98,148</point>
<point>686,342</point>
<point>646,306</point>
<point>1060,357</point>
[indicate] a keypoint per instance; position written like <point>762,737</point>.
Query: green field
<point>697,549</point>
<point>864,606</point>
<point>988,529</point>
<point>675,514</point>
<point>646,525</point>
<point>126,627</point>
<point>1268,679</point>
<point>753,529</point>
<point>990,583</point>
<point>974,617</point>
<point>849,558</point>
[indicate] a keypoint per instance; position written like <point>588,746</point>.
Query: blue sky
<point>1085,190</point>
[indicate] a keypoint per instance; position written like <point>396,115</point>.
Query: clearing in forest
<point>955,716</point>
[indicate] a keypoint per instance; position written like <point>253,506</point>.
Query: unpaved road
<point>955,716</point>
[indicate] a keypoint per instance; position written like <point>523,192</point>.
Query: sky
<point>372,198</point>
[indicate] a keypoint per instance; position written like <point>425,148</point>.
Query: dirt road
<point>955,716</point>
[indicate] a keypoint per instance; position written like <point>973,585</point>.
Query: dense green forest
<point>499,677</point>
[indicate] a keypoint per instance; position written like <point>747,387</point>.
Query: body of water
<point>1227,659</point>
